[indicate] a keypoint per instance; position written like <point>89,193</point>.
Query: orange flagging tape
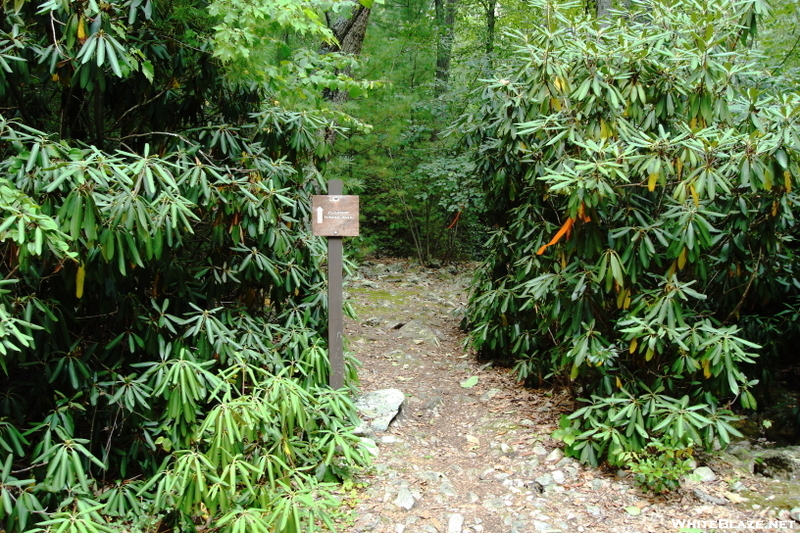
<point>564,229</point>
<point>453,223</point>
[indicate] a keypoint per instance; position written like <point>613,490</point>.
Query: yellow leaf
<point>619,383</point>
<point>557,82</point>
<point>605,131</point>
<point>682,259</point>
<point>634,344</point>
<point>649,355</point>
<point>767,179</point>
<point>652,179</point>
<point>503,320</point>
<point>775,208</point>
<point>555,103</point>
<point>693,124</point>
<point>671,269</point>
<point>679,166</point>
<point>82,29</point>
<point>787,181</point>
<point>627,303</point>
<point>706,369</point>
<point>734,498</point>
<point>695,197</point>
<point>80,276</point>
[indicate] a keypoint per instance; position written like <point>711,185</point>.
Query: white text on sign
<point>334,215</point>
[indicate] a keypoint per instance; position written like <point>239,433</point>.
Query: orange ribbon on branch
<point>567,227</point>
<point>564,230</point>
<point>453,223</point>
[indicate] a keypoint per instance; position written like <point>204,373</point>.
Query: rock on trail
<point>378,408</point>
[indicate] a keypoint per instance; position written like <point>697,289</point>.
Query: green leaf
<point>148,70</point>
<point>469,382</point>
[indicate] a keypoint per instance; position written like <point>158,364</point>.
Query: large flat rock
<point>780,463</point>
<point>378,408</point>
<point>419,332</point>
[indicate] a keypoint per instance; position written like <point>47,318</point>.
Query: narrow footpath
<point>471,449</point>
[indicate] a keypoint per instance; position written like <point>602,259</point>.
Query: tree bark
<point>445,22</point>
<point>99,129</point>
<point>603,6</point>
<point>349,33</point>
<point>491,19</point>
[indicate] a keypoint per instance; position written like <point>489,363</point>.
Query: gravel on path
<point>478,458</point>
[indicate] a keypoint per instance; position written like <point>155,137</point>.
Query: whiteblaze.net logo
<point>735,524</point>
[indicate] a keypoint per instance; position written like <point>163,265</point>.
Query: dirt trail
<point>480,459</point>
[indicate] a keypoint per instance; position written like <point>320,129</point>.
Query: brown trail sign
<point>335,216</point>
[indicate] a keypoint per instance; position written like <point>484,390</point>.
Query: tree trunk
<point>602,8</point>
<point>349,33</point>
<point>445,21</point>
<point>73,124</point>
<point>491,19</point>
<point>99,127</point>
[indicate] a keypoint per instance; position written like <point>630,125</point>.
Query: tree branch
<point>788,54</point>
<point>137,106</point>
<point>747,289</point>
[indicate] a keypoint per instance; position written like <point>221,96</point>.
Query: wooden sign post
<point>335,216</point>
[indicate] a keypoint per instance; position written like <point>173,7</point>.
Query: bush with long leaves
<point>163,362</point>
<point>642,190</point>
<point>161,337</point>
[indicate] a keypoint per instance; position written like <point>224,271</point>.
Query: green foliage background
<point>420,198</point>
